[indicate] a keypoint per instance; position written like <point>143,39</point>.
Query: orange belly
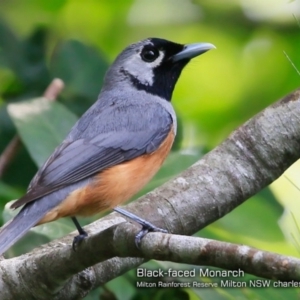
<point>112,186</point>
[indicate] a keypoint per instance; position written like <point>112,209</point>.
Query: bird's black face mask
<point>166,72</point>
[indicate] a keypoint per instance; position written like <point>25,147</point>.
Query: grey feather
<point>126,133</point>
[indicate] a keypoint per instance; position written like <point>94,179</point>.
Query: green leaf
<point>286,189</point>
<point>42,125</point>
<point>7,192</point>
<point>259,218</point>
<point>82,68</point>
<point>10,47</point>
<point>121,288</point>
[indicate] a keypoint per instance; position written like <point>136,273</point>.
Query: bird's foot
<point>146,226</point>
<point>78,239</point>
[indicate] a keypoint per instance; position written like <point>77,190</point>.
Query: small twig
<point>9,153</point>
<point>54,89</point>
<point>297,20</point>
<point>291,62</point>
<point>51,93</point>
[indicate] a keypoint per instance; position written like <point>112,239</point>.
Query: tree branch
<point>252,157</point>
<point>205,252</point>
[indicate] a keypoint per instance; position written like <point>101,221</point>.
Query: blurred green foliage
<point>76,41</point>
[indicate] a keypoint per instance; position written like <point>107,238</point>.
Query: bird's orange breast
<point>113,185</point>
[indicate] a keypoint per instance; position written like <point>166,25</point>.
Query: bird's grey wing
<point>81,158</point>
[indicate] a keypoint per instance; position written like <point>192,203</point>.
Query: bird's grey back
<point>149,110</point>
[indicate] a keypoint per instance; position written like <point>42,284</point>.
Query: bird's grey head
<point>153,65</point>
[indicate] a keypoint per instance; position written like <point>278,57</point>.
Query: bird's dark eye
<point>149,54</point>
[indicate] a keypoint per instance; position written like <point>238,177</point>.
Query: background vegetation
<point>77,40</point>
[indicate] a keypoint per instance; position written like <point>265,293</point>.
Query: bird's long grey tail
<point>16,228</point>
<point>32,213</point>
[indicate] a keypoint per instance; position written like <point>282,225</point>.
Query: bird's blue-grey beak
<point>192,50</point>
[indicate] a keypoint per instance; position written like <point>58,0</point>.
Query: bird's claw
<point>146,228</point>
<point>78,239</point>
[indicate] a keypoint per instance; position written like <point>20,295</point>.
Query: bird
<point>116,146</point>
